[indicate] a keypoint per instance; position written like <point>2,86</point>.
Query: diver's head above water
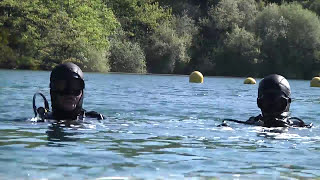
<point>274,96</point>
<point>66,90</point>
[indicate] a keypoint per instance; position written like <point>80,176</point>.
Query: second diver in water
<point>274,98</point>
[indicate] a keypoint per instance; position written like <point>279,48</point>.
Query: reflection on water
<point>157,127</point>
<point>56,133</point>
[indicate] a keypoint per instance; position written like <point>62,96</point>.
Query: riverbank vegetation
<point>216,37</point>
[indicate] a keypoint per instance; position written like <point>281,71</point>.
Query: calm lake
<point>157,127</point>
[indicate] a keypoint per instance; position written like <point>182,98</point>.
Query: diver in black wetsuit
<point>274,101</point>
<point>66,90</point>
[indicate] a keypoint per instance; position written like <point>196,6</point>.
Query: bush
<point>97,60</point>
<point>126,56</point>
<point>230,13</point>
<point>139,18</point>
<point>208,50</point>
<point>64,43</point>
<point>25,62</point>
<point>239,54</point>
<point>169,47</point>
<point>52,32</point>
<point>8,57</point>
<point>290,40</point>
<point>315,6</point>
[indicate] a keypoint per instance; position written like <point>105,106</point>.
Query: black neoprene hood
<point>274,82</point>
<point>66,71</point>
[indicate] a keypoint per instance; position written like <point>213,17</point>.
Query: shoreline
<point>148,74</point>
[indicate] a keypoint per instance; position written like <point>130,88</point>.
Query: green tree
<point>52,32</point>
<point>313,5</point>
<point>139,17</point>
<point>290,40</point>
<point>169,47</point>
<point>140,20</point>
<point>230,13</point>
<point>191,8</point>
<point>239,54</point>
<point>222,19</point>
<point>7,55</point>
<point>279,2</point>
<point>126,56</point>
<point>80,33</point>
<point>24,30</point>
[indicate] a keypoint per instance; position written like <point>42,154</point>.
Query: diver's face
<point>273,103</point>
<point>68,92</point>
<point>68,102</point>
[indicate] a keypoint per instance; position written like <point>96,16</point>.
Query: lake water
<point>157,127</point>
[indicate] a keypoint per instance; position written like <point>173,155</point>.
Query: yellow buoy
<point>249,80</point>
<point>315,82</point>
<point>196,77</point>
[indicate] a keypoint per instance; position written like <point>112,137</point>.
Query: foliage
<point>216,37</point>
<point>7,55</point>
<point>139,17</point>
<point>168,51</point>
<point>291,39</point>
<point>191,8</point>
<point>313,5</point>
<point>126,56</point>
<point>208,52</point>
<point>240,53</point>
<point>52,32</point>
<point>230,13</point>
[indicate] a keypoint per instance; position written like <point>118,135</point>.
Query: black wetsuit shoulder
<point>277,122</point>
<point>255,120</point>
<point>82,116</point>
<point>297,122</point>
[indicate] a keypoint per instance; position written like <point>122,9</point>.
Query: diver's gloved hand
<point>224,123</point>
<point>308,125</point>
<point>296,122</point>
<point>94,114</point>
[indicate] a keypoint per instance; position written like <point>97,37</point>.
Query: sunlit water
<point>157,127</point>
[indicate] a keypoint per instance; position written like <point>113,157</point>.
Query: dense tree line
<point>216,37</point>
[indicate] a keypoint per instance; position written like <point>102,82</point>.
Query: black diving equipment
<point>68,92</point>
<point>274,122</point>
<point>65,85</point>
<point>40,111</point>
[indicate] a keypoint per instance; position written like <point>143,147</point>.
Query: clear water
<point>157,127</point>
